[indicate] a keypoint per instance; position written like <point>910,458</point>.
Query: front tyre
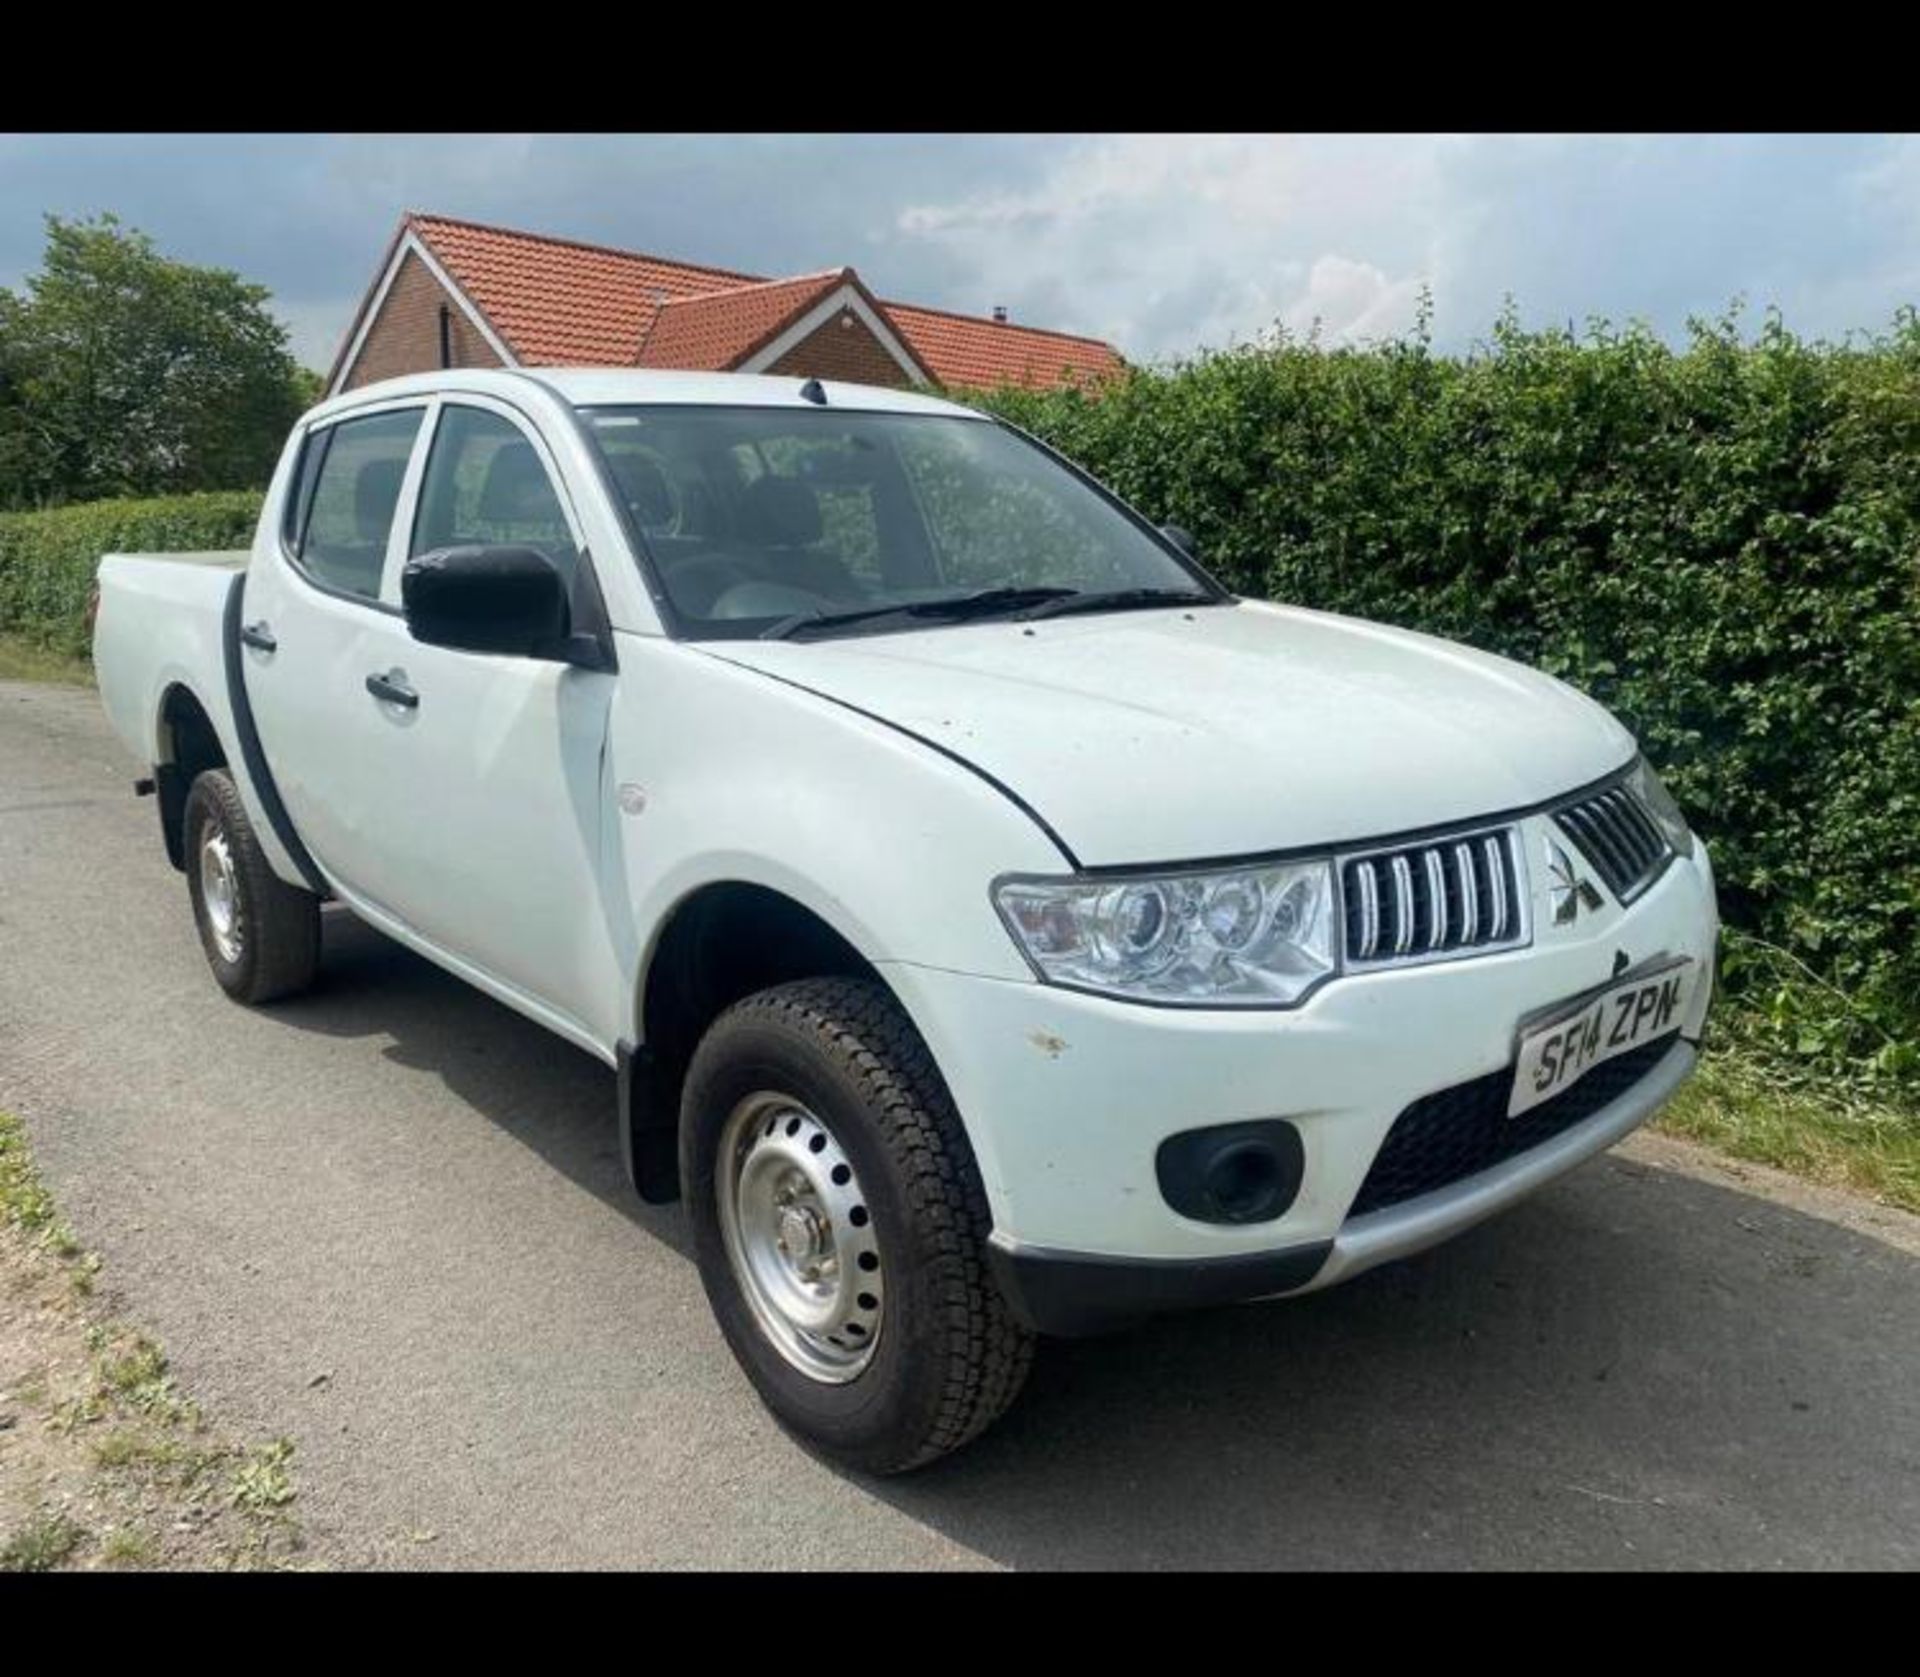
<point>261,935</point>
<point>840,1226</point>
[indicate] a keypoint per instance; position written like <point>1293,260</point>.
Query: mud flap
<point>649,1128</point>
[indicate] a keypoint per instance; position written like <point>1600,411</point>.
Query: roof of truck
<point>620,386</point>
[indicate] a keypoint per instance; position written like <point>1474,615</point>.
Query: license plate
<point>1556,1054</point>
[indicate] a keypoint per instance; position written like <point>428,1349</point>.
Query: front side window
<point>486,486</point>
<point>757,519</point>
<point>348,486</point>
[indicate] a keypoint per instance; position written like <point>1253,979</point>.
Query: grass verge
<point>104,1462</point>
<point>1750,1106</point>
<point>23,660</point>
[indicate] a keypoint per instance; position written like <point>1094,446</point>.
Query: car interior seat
<point>517,499</point>
<point>356,566</point>
<point>781,518</point>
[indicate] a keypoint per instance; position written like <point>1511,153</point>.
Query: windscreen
<point>754,518</point>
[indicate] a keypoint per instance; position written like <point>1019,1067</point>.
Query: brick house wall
<point>406,334</point>
<point>844,348</point>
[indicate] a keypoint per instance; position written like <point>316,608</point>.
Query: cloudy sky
<point>1161,244</point>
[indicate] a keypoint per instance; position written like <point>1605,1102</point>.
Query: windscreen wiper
<point>1116,599</point>
<point>988,602</point>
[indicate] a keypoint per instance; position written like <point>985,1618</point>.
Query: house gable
<point>815,325</point>
<point>854,320</point>
<point>404,329</point>
<point>398,326</point>
<point>717,331</point>
<point>842,347</point>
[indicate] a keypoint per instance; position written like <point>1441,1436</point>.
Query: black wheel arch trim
<point>252,753</point>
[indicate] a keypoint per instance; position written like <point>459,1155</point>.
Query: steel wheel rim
<point>220,895</point>
<point>799,1237</point>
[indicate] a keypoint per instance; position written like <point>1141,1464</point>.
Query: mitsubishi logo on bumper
<point>1567,888</point>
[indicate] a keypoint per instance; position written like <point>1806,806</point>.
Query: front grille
<point>1617,835</point>
<point>1428,901</point>
<point>1456,1133</point>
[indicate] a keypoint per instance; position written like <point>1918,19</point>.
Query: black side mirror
<point>487,599</point>
<point>1182,538</point>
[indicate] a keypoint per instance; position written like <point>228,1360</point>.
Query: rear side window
<point>355,468</point>
<point>486,485</point>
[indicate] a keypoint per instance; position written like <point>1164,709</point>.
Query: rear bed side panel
<point>160,626</point>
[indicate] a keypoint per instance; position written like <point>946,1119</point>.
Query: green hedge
<point>1721,543</point>
<point>47,559</point>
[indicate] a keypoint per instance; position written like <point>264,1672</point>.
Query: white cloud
<point>1165,242</point>
<point>1352,302</point>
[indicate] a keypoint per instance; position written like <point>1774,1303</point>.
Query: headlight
<point>1652,792</point>
<point>1232,937</point>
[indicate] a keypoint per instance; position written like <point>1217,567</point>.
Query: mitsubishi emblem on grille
<point>1567,888</point>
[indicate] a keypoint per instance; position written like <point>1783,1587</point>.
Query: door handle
<point>259,636</point>
<point>392,689</point>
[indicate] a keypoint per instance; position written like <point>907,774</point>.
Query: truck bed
<point>159,625</point>
<point>160,628</point>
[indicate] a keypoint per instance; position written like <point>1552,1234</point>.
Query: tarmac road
<point>388,1220</point>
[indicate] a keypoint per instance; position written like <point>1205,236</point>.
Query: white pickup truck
<point>998,927</point>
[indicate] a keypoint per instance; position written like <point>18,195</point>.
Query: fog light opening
<point>1245,1182</point>
<point>1232,1173</point>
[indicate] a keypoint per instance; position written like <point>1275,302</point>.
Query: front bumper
<point>1066,1098</point>
<point>1068,1293</point>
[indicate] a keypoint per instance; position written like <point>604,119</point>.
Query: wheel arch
<point>186,743</point>
<point>721,941</point>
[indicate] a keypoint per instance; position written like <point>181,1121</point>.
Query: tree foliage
<point>123,372</point>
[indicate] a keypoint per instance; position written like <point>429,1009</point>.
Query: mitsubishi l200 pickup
<point>997,926</point>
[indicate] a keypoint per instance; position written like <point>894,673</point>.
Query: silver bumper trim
<point>1396,1231</point>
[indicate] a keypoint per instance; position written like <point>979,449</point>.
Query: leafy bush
<point>1720,542</point>
<point>47,559</point>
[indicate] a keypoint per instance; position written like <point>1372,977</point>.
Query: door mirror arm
<point>583,652</point>
<point>589,643</point>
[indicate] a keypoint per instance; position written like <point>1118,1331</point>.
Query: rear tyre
<point>840,1226</point>
<point>261,935</point>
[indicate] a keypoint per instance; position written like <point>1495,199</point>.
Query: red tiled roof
<point>964,350</point>
<point>719,329</point>
<point>558,302</point>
